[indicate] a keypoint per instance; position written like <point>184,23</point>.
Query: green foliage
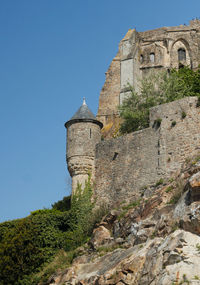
<point>7,226</point>
<point>32,241</point>
<point>131,205</point>
<point>173,123</point>
<point>198,247</point>
<point>174,199</point>
<point>156,89</point>
<point>157,122</point>
<point>61,260</point>
<point>198,102</point>
<point>63,205</point>
<point>20,252</point>
<point>183,115</point>
<point>169,189</point>
<point>159,182</point>
<point>81,223</point>
<point>125,208</point>
<point>27,245</point>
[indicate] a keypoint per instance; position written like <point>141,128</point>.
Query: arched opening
<point>152,57</point>
<point>181,54</point>
<point>141,58</point>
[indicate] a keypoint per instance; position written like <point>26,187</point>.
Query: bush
<point>20,252</point>
<point>26,245</point>
<point>63,205</point>
<point>156,89</point>
<point>80,216</point>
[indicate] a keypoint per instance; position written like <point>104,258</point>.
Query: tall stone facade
<point>140,53</point>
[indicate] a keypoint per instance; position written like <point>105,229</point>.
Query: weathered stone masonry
<point>83,133</point>
<point>121,167</point>
<point>126,164</point>
<point>142,52</point>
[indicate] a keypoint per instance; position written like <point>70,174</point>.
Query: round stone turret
<point>83,133</point>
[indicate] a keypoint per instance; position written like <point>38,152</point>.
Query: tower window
<point>90,133</point>
<point>141,58</point>
<point>181,54</point>
<point>152,57</point>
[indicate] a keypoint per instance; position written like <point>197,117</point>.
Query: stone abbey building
<point>121,167</point>
<point>141,52</point>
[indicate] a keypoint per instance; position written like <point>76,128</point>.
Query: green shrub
<point>28,243</point>
<point>159,182</point>
<point>63,205</point>
<point>183,115</point>
<point>157,123</point>
<point>20,252</point>
<point>156,89</point>
<point>81,222</point>
<point>173,124</point>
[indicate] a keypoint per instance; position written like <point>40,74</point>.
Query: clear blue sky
<point>52,54</point>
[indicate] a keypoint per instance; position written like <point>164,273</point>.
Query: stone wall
<point>179,134</point>
<point>143,52</point>
<point>109,97</point>
<point>125,165</point>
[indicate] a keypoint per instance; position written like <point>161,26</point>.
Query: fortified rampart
<point>121,167</point>
<point>125,165</point>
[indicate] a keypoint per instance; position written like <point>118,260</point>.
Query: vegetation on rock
<point>156,89</point>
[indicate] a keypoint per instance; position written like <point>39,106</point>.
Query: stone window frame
<point>152,57</point>
<point>181,54</point>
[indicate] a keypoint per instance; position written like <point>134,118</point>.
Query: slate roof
<point>83,115</point>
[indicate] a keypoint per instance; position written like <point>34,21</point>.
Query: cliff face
<point>152,240</point>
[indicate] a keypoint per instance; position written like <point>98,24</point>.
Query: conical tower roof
<point>83,115</point>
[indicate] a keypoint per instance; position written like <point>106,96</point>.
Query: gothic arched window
<point>181,54</point>
<point>152,57</point>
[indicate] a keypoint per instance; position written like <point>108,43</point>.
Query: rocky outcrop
<point>152,241</point>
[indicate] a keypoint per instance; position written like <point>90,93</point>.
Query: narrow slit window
<point>90,133</point>
<point>152,57</point>
<point>181,54</point>
<point>141,58</point>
